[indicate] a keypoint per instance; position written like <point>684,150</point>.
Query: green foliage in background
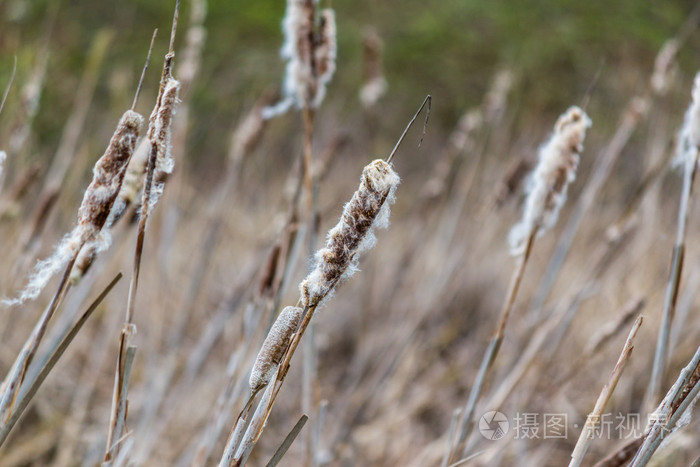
<point>448,48</point>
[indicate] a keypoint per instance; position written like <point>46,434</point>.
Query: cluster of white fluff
<point>689,135</point>
<point>66,250</point>
<point>380,181</point>
<point>310,60</point>
<point>556,168</point>
<point>325,55</point>
<point>160,134</point>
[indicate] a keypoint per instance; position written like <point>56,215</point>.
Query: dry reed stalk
<point>637,109</point>
<point>159,161</point>
<point>688,147</point>
<point>593,418</point>
<point>667,418</point>
<point>677,400</point>
<point>556,168</point>
<point>86,386</point>
<point>33,386</point>
<point>284,447</point>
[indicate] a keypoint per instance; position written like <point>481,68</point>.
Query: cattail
<point>108,176</point>
<point>133,181</point>
<point>689,135</point>
<point>99,197</point>
<point>159,133</point>
<point>310,56</point>
<point>325,53</point>
<point>375,83</point>
<point>368,209</point>
<point>274,347</point>
<point>556,168</point>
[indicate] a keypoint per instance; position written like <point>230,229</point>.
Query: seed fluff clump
<point>556,167</point>
<point>367,210</point>
<point>108,175</point>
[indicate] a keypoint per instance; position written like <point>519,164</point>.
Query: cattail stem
<point>14,379</point>
<point>673,284</point>
<point>308,117</point>
<point>494,345</point>
<point>34,385</point>
<point>593,418</point>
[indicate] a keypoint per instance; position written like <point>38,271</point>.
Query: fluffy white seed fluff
<point>3,156</point>
<point>325,55</point>
<point>310,57</point>
<point>98,200</point>
<point>367,210</point>
<point>689,135</point>
<point>160,134</point>
<point>274,346</point>
<point>556,168</point>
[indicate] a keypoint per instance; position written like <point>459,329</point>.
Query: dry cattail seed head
<point>133,181</point>
<point>159,133</point>
<point>159,126</point>
<point>310,56</point>
<point>274,346</point>
<point>367,209</point>
<point>556,168</point>
<point>325,53</point>
<point>98,200</point>
<point>108,175</point>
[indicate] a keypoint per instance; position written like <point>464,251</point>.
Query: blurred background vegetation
<point>558,52</point>
<point>451,49</point>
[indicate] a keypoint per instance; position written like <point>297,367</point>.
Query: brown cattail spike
<point>108,175</point>
<point>98,200</point>
<point>368,209</point>
<point>274,347</point>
